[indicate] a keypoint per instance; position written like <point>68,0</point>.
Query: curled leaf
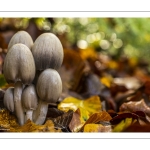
<point>136,106</point>
<point>117,119</point>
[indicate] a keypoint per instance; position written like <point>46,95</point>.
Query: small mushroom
<point>29,101</point>
<point>47,51</point>
<point>21,37</point>
<point>49,88</point>
<point>9,99</point>
<point>19,68</point>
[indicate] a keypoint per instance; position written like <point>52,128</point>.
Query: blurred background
<point>97,52</point>
<point>129,37</point>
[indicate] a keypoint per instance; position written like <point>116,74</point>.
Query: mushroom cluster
<point>32,67</point>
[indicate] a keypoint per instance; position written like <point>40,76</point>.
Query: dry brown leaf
<point>135,106</point>
<point>101,116</point>
<point>97,117</point>
<point>76,122</point>
<point>62,122</point>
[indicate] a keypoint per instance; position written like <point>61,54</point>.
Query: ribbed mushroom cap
<point>9,99</point>
<point>19,65</point>
<point>49,86</point>
<point>47,51</point>
<point>29,97</point>
<point>21,37</point>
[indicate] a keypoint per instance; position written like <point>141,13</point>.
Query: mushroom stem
<point>28,115</point>
<point>17,102</point>
<point>39,115</point>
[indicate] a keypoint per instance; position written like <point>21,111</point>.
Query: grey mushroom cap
<point>29,97</point>
<point>48,52</point>
<point>21,37</point>
<point>19,65</point>
<point>49,86</point>
<point>9,99</point>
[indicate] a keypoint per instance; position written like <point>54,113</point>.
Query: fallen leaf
<point>135,106</point>
<point>136,127</point>
<point>123,125</point>
<point>90,105</point>
<point>97,117</point>
<point>62,122</point>
<point>76,122</point>
<point>112,113</point>
<point>115,89</point>
<point>97,128</point>
<point>140,113</point>
<point>117,119</point>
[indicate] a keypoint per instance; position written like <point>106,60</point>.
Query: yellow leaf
<point>123,125</point>
<point>87,107</point>
<point>92,104</point>
<point>91,127</point>
<point>84,114</point>
<point>97,128</point>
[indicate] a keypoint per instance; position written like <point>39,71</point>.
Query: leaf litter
<point>100,94</point>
